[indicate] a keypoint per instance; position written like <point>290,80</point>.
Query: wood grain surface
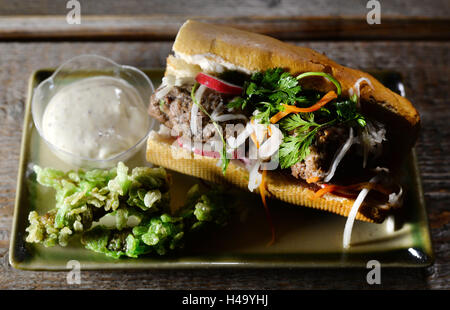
<point>425,67</point>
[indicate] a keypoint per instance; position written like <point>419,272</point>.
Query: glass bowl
<point>82,67</point>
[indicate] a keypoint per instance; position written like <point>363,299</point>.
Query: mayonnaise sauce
<point>96,118</point>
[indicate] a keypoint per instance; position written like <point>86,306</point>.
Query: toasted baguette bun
<point>211,48</point>
<point>162,151</point>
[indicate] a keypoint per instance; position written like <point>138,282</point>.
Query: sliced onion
<point>241,138</point>
<point>390,224</point>
<point>166,86</point>
<point>164,131</point>
<point>228,117</point>
<point>353,212</point>
<point>255,177</point>
<point>260,131</point>
<point>395,198</point>
<point>357,87</point>
<point>339,155</point>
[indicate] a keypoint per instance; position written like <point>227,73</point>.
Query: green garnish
<point>223,153</point>
<point>161,105</point>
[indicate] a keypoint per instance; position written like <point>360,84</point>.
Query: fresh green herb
<point>223,153</point>
<point>325,75</point>
<point>267,91</point>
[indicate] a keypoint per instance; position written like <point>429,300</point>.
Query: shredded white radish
<point>268,148</point>
<point>339,155</point>
<point>255,177</point>
<point>194,116</point>
<point>353,212</point>
<point>194,108</point>
<point>372,136</point>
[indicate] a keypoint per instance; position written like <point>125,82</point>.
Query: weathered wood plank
<point>425,67</point>
<point>228,8</point>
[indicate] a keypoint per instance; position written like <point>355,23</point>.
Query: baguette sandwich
<point>281,120</point>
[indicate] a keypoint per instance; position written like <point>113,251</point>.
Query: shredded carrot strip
<point>312,179</point>
<point>293,109</point>
<point>345,189</point>
<point>255,141</point>
<point>262,192</point>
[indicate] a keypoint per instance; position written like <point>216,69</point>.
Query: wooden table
<point>412,40</point>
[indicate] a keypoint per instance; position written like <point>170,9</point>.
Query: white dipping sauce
<point>95,118</point>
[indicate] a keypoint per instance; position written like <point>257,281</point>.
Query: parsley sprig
<point>296,147</point>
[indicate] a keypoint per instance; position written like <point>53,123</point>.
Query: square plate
<point>305,237</point>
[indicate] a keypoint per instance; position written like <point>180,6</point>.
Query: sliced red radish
<point>218,84</point>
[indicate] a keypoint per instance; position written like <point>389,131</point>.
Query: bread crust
<point>257,52</point>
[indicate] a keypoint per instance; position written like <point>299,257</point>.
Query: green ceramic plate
<point>305,237</point>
